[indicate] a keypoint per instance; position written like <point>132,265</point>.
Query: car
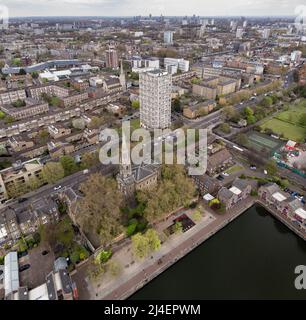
<point>252,167</point>
<point>57,188</point>
<point>286,190</point>
<point>22,254</point>
<point>20,200</point>
<point>265,172</point>
<point>225,174</point>
<point>45,252</point>
<point>220,177</point>
<point>24,267</point>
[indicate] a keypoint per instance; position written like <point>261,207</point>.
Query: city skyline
<point>18,8</point>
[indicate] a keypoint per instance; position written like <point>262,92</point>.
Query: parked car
<point>24,267</point>
<point>220,177</point>
<point>45,252</point>
<point>22,254</point>
<point>252,167</point>
<point>57,188</point>
<point>20,200</point>
<point>225,174</point>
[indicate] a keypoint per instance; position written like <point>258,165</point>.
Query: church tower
<point>122,76</point>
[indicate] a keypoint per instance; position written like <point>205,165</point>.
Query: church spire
<point>122,76</point>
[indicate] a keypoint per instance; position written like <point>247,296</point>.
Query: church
<point>137,177</point>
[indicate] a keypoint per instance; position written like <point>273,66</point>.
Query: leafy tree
<point>43,137</point>
<point>197,216</point>
<point>135,104</point>
<point>174,190</point>
<point>96,122</point>
<point>266,102</point>
<point>271,167</point>
<point>225,127</point>
<point>176,105</point>
<point>99,210</point>
<point>69,165</point>
<point>90,159</point>
<point>9,119</point>
<point>52,172</point>
<point>178,227</point>
<point>140,245</point>
<point>103,256</point>
<point>231,113</point>
<point>242,139</point>
<point>251,119</point>
<point>79,124</point>
<point>153,238</point>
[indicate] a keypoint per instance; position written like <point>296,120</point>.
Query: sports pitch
<point>264,143</point>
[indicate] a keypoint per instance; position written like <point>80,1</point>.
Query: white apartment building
<point>168,37</point>
<point>181,64</point>
<point>155,99</point>
<point>239,33</point>
<point>266,33</point>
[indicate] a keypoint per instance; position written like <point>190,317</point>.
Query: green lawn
<point>234,169</point>
<point>287,123</point>
<point>290,131</point>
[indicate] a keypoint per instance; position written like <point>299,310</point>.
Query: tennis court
<point>264,143</point>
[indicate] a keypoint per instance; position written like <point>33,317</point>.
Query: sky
<point>154,7</point>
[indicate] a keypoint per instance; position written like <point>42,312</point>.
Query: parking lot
<point>40,266</point>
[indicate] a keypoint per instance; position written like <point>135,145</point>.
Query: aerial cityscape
<point>152,154</point>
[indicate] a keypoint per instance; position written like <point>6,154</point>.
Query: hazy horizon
<point>130,8</point>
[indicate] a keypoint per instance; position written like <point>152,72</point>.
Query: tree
<point>225,127</point>
<point>178,227</point>
<point>9,119</point>
<point>103,256</point>
<point>153,238</point>
<point>69,165</point>
<point>251,119</point>
<point>96,122</point>
<point>90,159</point>
<point>231,113</point>
<point>79,124</point>
<point>140,245</point>
<point>52,172</point>
<point>197,216</point>
<point>266,102</point>
<point>43,137</point>
<point>248,112</point>
<point>135,104</point>
<point>176,105</point>
<point>242,139</point>
<point>99,210</point>
<point>174,190</point>
<point>271,167</point>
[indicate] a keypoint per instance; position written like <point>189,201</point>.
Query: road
<point>70,181</point>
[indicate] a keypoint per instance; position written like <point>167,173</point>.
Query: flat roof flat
<point>278,196</point>
<point>301,213</point>
<point>235,190</point>
<point>11,273</point>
